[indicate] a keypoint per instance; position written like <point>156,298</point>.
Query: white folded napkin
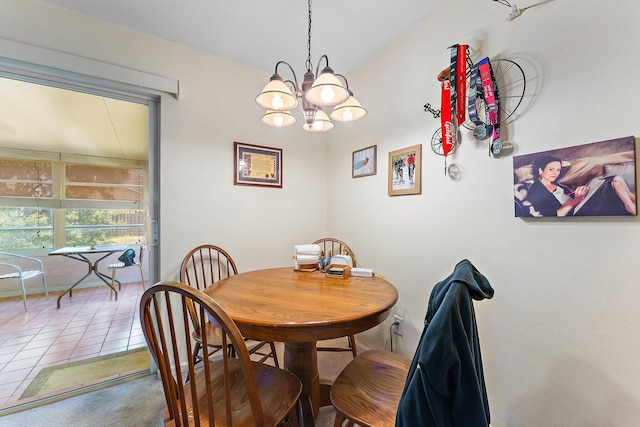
<point>306,254</point>
<point>307,250</point>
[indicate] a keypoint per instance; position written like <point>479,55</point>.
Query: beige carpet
<point>83,372</point>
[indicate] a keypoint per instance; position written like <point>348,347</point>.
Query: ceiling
<point>259,33</point>
<point>45,118</point>
<point>256,33</point>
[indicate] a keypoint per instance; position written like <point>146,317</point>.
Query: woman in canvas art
<point>548,196</point>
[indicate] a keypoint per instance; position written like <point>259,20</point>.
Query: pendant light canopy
<point>279,97</point>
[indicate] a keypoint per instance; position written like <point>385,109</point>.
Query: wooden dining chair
<point>369,388</point>
<point>331,247</point>
<point>224,391</point>
<point>117,266</point>
<point>204,266</point>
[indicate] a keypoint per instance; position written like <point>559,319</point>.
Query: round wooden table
<point>299,309</point>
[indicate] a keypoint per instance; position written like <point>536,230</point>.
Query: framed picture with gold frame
<point>257,165</point>
<point>405,171</point>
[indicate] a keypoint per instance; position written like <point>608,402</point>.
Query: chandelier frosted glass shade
<point>278,119</point>
<point>276,96</point>
<point>321,123</point>
<point>327,90</point>
<point>348,111</point>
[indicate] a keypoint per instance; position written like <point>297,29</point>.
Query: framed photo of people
<point>257,165</point>
<point>595,179</point>
<point>405,171</point>
<point>364,162</point>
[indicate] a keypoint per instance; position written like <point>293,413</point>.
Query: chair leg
<point>24,294</point>
<point>142,277</point>
<point>196,351</point>
<point>292,418</point>
<point>352,344</point>
<point>274,354</point>
<point>46,289</point>
<point>113,281</point>
<point>339,420</point>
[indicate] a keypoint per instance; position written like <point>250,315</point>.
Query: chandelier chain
<point>308,62</point>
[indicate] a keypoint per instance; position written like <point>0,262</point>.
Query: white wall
<point>560,338</point>
<point>216,107</point>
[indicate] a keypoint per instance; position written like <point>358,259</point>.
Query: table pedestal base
<point>301,359</point>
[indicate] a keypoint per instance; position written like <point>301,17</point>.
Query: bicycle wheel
<point>511,83</point>
<point>436,143</point>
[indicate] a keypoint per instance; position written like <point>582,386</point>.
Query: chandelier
<point>279,97</point>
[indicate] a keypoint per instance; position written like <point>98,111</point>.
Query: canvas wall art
<point>596,179</point>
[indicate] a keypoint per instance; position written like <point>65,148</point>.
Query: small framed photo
<point>257,165</point>
<point>405,171</point>
<point>364,162</point>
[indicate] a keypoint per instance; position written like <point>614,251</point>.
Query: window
<point>53,200</point>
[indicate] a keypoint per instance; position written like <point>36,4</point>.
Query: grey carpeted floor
<point>134,403</point>
<point>139,403</point>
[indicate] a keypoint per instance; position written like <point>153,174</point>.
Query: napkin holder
<point>339,271</point>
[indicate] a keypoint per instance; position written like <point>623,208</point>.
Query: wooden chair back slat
<point>204,266</point>
<point>198,393</point>
<point>331,246</point>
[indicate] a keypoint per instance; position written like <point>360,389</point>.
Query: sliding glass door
<point>78,166</point>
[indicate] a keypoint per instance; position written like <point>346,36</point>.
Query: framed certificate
<point>257,165</point>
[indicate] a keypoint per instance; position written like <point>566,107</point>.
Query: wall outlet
<point>397,329</point>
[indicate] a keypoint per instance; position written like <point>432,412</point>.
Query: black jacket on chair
<point>445,385</point>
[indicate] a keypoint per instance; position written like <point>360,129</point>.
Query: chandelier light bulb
<point>278,119</point>
<point>321,123</point>
<point>276,96</point>
<point>277,102</point>
<point>327,90</point>
<point>327,94</point>
<point>348,111</point>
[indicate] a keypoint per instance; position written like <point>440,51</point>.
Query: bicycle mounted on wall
<point>491,92</point>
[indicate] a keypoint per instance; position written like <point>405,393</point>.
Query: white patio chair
<point>113,268</point>
<point>28,269</point>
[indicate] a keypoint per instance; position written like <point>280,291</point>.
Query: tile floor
<point>86,325</point>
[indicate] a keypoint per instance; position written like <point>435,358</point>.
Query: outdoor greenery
<point>32,228</point>
<point>25,228</point>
